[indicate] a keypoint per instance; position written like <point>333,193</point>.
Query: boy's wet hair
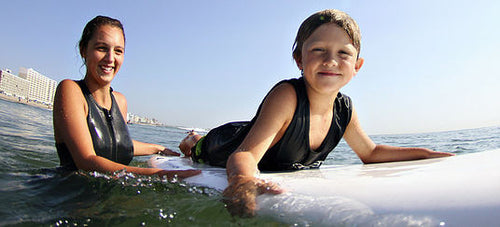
<point>337,17</point>
<point>91,28</point>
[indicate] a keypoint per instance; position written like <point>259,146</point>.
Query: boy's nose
<point>330,61</point>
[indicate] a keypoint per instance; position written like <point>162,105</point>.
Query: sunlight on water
<point>123,197</point>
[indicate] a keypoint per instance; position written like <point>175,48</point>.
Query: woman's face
<point>104,54</point>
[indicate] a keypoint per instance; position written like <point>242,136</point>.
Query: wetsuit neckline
<point>308,124</point>
<point>91,97</point>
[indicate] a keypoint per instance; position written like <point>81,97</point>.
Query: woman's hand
<point>169,152</point>
<point>242,191</point>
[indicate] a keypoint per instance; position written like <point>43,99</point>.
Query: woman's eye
<point>318,50</point>
<point>101,48</point>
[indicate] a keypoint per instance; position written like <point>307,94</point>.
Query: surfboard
<point>463,190</point>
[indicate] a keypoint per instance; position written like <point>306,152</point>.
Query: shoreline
<point>13,99</point>
<point>140,123</point>
<point>24,101</point>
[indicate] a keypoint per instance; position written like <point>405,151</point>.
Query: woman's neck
<point>100,92</point>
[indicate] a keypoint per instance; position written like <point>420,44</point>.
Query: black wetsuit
<point>109,132</point>
<point>292,151</point>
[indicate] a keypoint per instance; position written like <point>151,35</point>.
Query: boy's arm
<point>243,187</point>
<point>369,152</point>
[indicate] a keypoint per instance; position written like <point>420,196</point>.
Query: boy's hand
<point>242,191</point>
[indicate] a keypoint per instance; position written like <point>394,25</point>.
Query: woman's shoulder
<point>118,95</point>
<point>120,100</point>
<point>68,89</point>
<point>68,92</point>
<point>68,84</point>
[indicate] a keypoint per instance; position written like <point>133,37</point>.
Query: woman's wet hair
<point>91,28</point>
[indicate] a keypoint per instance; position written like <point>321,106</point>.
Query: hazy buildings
<point>13,85</point>
<point>135,119</point>
<point>30,85</point>
<point>42,88</point>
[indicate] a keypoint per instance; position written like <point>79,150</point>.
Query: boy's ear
<point>358,65</point>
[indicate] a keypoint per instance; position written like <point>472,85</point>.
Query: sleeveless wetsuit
<point>108,130</point>
<point>292,151</point>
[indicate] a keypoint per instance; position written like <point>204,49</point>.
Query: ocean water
<point>34,192</point>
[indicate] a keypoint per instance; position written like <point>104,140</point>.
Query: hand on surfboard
<point>240,194</point>
<point>169,152</point>
<point>179,174</point>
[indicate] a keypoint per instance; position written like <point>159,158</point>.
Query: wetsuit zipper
<point>109,118</point>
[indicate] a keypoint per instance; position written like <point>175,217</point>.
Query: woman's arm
<point>369,152</point>
<point>70,127</point>
<point>141,148</point>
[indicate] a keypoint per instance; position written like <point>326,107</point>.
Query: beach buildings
<point>29,85</point>
<point>42,88</point>
<point>136,119</point>
<point>13,85</point>
<point>33,88</point>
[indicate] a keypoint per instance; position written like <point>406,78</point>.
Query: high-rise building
<point>41,89</point>
<point>13,85</point>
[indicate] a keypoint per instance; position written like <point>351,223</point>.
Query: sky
<point>429,65</point>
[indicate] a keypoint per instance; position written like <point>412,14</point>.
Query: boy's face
<point>329,59</point>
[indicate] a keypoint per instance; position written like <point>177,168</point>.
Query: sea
<point>34,192</point>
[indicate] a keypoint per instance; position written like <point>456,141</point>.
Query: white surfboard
<point>456,191</point>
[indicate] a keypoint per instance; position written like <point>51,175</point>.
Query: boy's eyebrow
<point>348,45</point>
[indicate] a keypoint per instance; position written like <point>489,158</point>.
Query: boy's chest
<point>318,129</point>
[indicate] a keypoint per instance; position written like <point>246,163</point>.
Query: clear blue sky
<point>429,65</point>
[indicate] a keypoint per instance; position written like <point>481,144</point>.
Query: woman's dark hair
<point>91,28</point>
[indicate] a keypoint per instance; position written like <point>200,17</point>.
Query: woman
<point>301,120</point>
<point>89,126</point>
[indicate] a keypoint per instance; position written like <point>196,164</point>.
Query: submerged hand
<point>180,174</point>
<point>242,191</point>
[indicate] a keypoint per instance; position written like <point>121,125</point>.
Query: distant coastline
<point>141,123</point>
<point>133,119</point>
<point>140,120</point>
<point>24,101</point>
